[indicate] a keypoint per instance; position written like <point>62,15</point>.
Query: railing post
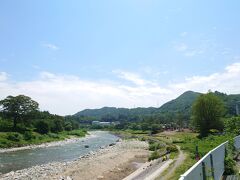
<point>212,167</point>
<point>204,170</point>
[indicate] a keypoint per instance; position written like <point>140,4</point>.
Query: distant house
<point>95,122</point>
<point>101,123</point>
<point>115,122</point>
<point>105,123</point>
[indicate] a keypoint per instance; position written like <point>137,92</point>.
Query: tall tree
<point>17,108</point>
<point>208,110</point>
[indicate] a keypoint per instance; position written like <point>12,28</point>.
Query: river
<point>16,160</point>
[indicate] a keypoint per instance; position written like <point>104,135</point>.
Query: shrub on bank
<point>154,155</point>
<point>172,148</point>
<point>14,136</point>
<point>53,135</point>
<point>155,146</point>
<point>79,133</point>
<point>28,135</point>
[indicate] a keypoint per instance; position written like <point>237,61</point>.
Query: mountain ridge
<point>182,104</point>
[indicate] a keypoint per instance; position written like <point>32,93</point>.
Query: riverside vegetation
<point>21,123</point>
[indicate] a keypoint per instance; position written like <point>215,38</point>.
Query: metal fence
<point>210,166</point>
<point>237,142</point>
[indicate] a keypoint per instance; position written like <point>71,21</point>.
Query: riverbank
<point>37,141</point>
<point>70,139</point>
<point>114,161</point>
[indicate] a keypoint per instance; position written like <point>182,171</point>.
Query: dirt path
<point>150,170</point>
<point>180,159</point>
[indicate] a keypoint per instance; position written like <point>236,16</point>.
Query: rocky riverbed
<point>102,161</point>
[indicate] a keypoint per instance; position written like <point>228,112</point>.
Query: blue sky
<point>72,55</point>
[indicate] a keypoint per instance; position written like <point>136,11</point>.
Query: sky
<point>70,55</point>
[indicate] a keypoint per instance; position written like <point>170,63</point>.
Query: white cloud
<point>132,77</point>
<point>226,81</point>
<point>65,94</point>
<point>51,46</point>
<point>3,76</point>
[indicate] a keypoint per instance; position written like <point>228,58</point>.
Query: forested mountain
<point>113,111</point>
<point>230,102</point>
<point>167,112</point>
<point>181,104</point>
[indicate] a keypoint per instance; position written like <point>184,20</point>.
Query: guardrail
<point>211,166</point>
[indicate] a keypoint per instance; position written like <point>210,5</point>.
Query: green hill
<point>182,104</point>
<point>169,110</point>
<point>115,112</point>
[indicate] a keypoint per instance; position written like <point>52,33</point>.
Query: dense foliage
<point>232,125</point>
<point>18,108</point>
<point>22,123</point>
<point>207,113</point>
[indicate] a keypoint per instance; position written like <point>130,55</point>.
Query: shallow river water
<point>12,161</point>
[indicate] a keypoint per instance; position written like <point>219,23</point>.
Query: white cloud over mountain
<point>66,94</point>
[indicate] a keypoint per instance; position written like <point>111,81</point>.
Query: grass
<point>154,155</point>
<point>188,162</point>
<point>173,155</point>
<point>188,141</point>
<point>12,139</point>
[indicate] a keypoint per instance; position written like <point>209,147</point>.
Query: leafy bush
<point>229,163</point>
<point>232,125</point>
<point>53,135</point>
<point>178,141</point>
<point>154,155</point>
<point>79,133</point>
<point>28,135</point>
<point>229,166</point>
<point>172,148</point>
<point>42,127</point>
<point>142,139</point>
<point>155,146</point>
<point>14,136</point>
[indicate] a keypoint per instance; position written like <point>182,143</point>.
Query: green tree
<point>207,111</point>
<point>68,126</point>
<point>42,127</point>
<point>58,125</point>
<point>18,108</point>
